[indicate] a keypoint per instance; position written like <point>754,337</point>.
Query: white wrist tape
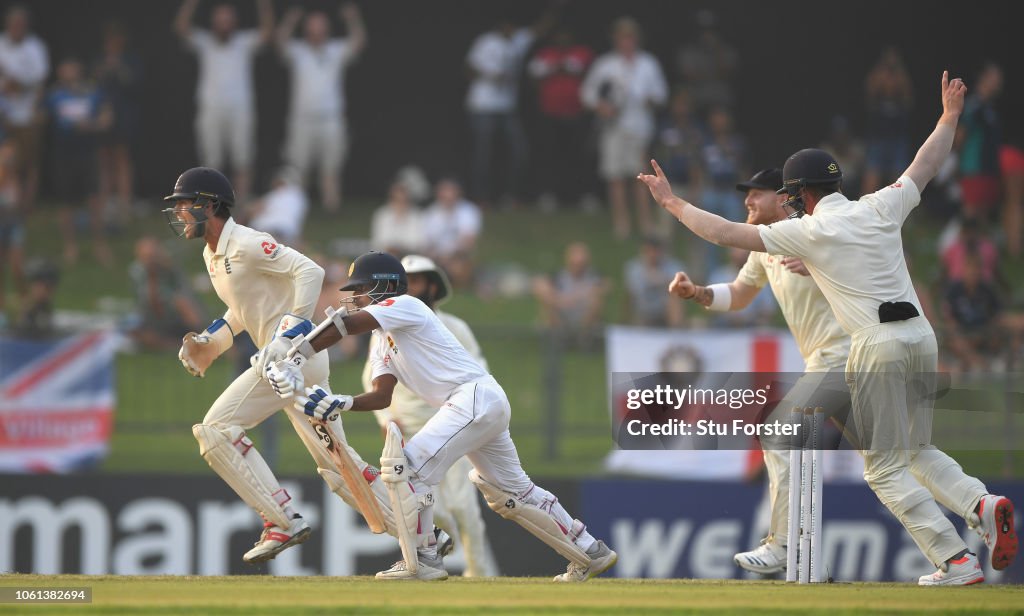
<point>721,297</point>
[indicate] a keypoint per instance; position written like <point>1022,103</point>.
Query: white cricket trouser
<point>225,130</point>
<point>905,471</point>
<point>316,140</point>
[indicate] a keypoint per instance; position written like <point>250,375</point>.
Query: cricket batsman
<point>854,252</point>
<point>415,348</point>
<point>456,507</point>
<point>270,291</point>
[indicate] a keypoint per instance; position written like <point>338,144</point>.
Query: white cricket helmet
<point>418,264</point>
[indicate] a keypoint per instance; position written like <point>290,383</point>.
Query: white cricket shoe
<point>602,558</point>
<point>963,571</point>
<point>430,569</point>
<point>275,540</point>
<point>994,522</point>
<point>768,558</point>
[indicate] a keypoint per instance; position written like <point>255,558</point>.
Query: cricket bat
<point>361,492</point>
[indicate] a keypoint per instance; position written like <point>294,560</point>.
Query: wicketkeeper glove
<point>199,350</point>
<point>321,404</point>
<point>290,330</point>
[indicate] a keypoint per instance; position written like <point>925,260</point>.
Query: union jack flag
<point>56,402</point>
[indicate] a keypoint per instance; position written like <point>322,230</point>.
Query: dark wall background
<point>800,63</point>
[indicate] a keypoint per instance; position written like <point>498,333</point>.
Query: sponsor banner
<point>56,402</point>
<point>149,525</point>
<point>681,529</point>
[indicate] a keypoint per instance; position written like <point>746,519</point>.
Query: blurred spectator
<point>678,146</point>
<point>318,133</point>
<point>890,99</point>
<point>119,75</point>
<point>572,302</point>
<point>725,164</point>
<point>707,65</point>
<point>971,242</point>
<point>623,88</point>
<point>494,62</point>
<point>24,66</point>
<point>979,136</point>
<point>397,226</point>
<point>335,277</point>
<point>972,308</point>
<point>12,226</point>
<point>166,308</point>
<point>848,151</point>
<point>225,103</point>
<point>282,211</point>
<point>450,229</point>
<point>1011,162</point>
<point>558,69</point>
<point>36,318</point>
<point>77,114</point>
<point>647,276</point>
<point>759,313</point>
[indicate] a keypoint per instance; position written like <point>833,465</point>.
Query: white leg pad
<point>227,453</point>
<point>538,522</point>
<point>405,506</point>
<point>339,487</point>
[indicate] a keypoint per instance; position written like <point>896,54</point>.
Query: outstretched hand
<point>658,184</point>
<point>953,93</point>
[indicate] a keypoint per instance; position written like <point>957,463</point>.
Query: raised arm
<point>183,20</point>
<point>708,226</point>
<point>353,19</point>
<point>266,19</point>
<point>938,145</point>
<point>286,28</point>
<point>731,296</point>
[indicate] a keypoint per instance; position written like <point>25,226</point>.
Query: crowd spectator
<point>647,277</point>
<point>12,226</point>
<point>1011,161</point>
<point>282,211</point>
<point>849,152</point>
<point>335,277</point>
<point>558,69</point>
<point>495,61</point>
<point>225,101</point>
<point>761,310</point>
<point>397,226</point>
<point>725,163</point>
<point>24,67</point>
<point>451,226</point>
<point>165,307</point>
<point>36,319</point>
<point>972,308</point>
<point>317,129</point>
<point>572,301</point>
<point>889,98</point>
<point>118,73</point>
<point>970,241</point>
<point>708,65</point>
<point>678,146</point>
<point>623,88</point>
<point>78,114</point>
<point>979,136</point>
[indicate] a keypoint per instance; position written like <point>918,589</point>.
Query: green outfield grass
<point>361,595</point>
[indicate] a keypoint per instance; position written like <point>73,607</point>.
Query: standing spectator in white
<point>451,226</point>
<point>225,103</point>
<point>623,88</point>
<point>317,131</point>
<point>282,211</point>
<point>24,65</point>
<point>494,62</point>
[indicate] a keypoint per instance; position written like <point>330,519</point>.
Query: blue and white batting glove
<point>322,405</point>
<point>285,377</point>
<point>290,330</point>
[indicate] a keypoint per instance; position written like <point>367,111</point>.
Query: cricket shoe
<point>994,522</point>
<point>445,543</point>
<point>275,540</point>
<point>768,558</point>
<point>962,571</point>
<point>602,558</point>
<point>430,569</point>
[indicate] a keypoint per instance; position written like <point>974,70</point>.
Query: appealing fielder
<point>822,343</point>
<point>854,252</point>
<point>456,506</point>
<point>414,347</point>
<point>270,291</point>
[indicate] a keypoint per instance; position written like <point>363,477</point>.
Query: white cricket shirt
<point>225,68</point>
<point>631,86</point>
<point>260,280</point>
<point>497,59</point>
<point>318,78</point>
<point>27,63</point>
<point>853,250</point>
<point>413,345</point>
<point>823,343</point>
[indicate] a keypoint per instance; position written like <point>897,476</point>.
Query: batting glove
<point>322,405</point>
<point>285,376</point>
<point>290,331</point>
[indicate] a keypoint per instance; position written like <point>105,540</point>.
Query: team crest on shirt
<point>391,344</point>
